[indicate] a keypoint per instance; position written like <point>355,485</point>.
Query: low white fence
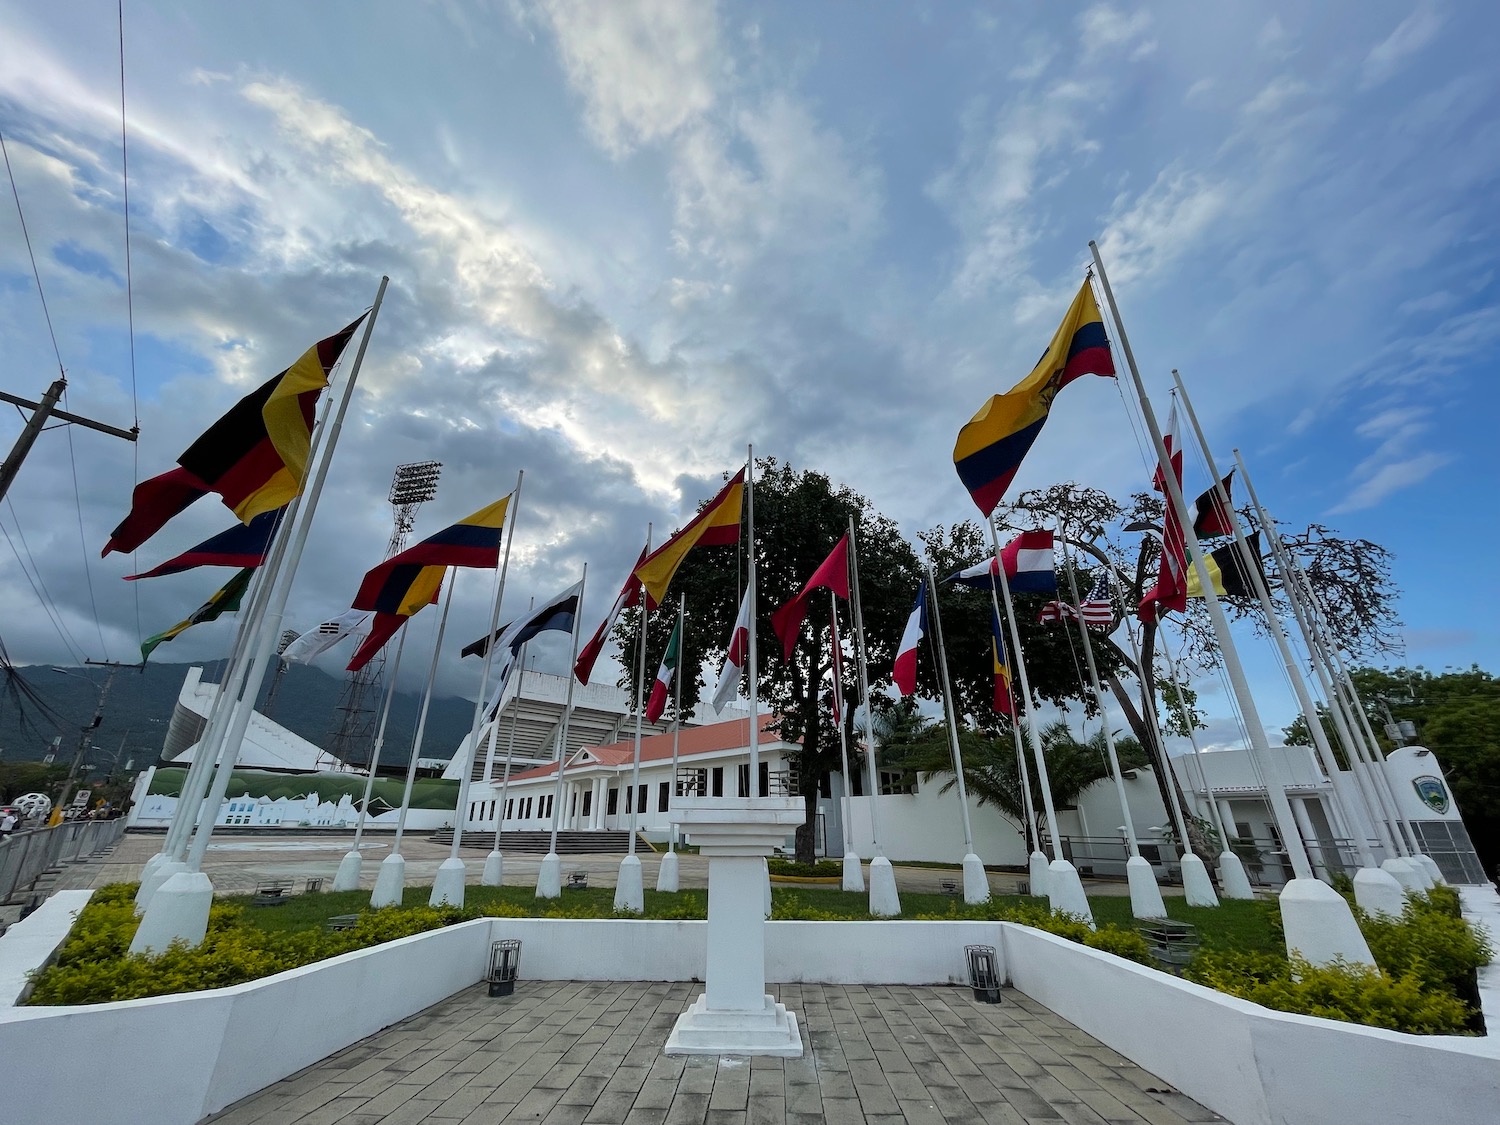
<point>24,856</point>
<point>173,1060</point>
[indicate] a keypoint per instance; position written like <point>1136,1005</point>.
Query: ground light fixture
<point>505,963</point>
<point>984,975</point>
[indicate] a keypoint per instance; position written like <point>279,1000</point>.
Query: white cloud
<point>1165,221</point>
<point>1395,50</point>
<point>1391,478</point>
<point>1105,29</point>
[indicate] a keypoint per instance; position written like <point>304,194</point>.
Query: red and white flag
<point>1097,609</point>
<point>905,672</point>
<point>735,659</point>
<point>833,573</point>
<point>1170,591</point>
<point>630,595</point>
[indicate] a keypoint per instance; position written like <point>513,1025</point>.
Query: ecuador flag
<point>404,583</point>
<point>717,525</point>
<point>992,445</point>
<point>256,455</point>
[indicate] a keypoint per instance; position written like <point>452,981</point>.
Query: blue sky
<point>625,240</point>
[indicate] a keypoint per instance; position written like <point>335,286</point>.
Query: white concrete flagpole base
<point>1145,895</point>
<point>735,1016</point>
<point>390,883</point>
<point>1233,882</point>
<point>150,869</point>
<point>666,874</point>
<point>350,869</point>
<point>1378,892</point>
<point>976,882</point>
<point>494,870</point>
<point>178,912</point>
<point>448,885</point>
<point>1037,863</point>
<point>1197,887</point>
<point>884,901</point>
<point>766,867</point>
<point>151,882</point>
<point>1405,873</point>
<point>549,877</point>
<point>1319,926</point>
<point>630,894</point>
<point>1065,891</point>
<point>1429,865</point>
<point>854,874</point>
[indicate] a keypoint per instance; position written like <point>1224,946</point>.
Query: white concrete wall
<point>927,825</point>
<point>31,942</point>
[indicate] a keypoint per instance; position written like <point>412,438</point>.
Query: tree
<point>799,518</point>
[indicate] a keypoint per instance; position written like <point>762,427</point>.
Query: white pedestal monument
<point>735,1015</point>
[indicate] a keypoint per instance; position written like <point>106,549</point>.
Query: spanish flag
<point>1226,572</point>
<point>717,525</point>
<point>256,455</point>
<point>995,441</point>
<point>404,583</point>
<point>225,600</point>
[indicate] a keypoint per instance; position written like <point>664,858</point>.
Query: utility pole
<point>40,412</point>
<point>86,736</point>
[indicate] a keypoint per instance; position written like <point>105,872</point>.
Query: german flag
<point>256,455</point>
<point>717,525</point>
<point>1226,572</point>
<point>244,545</point>
<point>152,504</point>
<point>404,583</point>
<point>225,600</point>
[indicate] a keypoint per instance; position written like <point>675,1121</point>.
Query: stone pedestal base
<point>549,876</point>
<point>1197,887</point>
<point>1145,894</point>
<point>1319,926</point>
<point>350,868</point>
<point>976,882</point>
<point>1429,865</point>
<point>1407,874</point>
<point>630,894</point>
<point>448,886</point>
<point>178,911</point>
<point>1378,892</point>
<point>152,880</point>
<point>854,875</point>
<point>1065,891</point>
<point>1036,864</point>
<point>701,1030</point>
<point>494,870</point>
<point>390,884</point>
<point>1233,882</point>
<point>666,874</point>
<point>885,902</point>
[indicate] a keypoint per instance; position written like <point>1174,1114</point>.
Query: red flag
<point>152,504</point>
<point>833,574</point>
<point>1170,591</point>
<point>630,594</point>
<point>382,629</point>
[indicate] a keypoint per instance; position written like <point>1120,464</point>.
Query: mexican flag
<point>664,674</point>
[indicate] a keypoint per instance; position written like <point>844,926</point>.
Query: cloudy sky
<point>626,239</point>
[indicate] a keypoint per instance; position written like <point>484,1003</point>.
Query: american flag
<point>1097,609</point>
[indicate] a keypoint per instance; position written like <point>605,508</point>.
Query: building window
<point>612,805</point>
<point>588,800</point>
<point>895,783</point>
<point>663,797</point>
<point>629,800</point>
<point>510,809</point>
<point>742,786</point>
<point>765,779</point>
<point>640,799</point>
<point>718,789</point>
<point>825,787</point>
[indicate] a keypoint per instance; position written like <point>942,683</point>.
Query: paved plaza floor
<point>591,1054</point>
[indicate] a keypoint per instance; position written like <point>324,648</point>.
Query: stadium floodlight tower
<point>353,742</point>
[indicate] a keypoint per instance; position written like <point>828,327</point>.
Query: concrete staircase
<point>536,843</point>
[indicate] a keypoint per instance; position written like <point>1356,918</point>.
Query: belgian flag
<point>255,457</point>
<point>1227,572</point>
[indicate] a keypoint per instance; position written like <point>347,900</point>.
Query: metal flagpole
<point>549,875</point>
<point>854,876</point>
<point>750,594</point>
<point>1064,888</point>
<point>510,753</point>
<point>1145,895</point>
<point>885,902</point>
<point>976,882</point>
<point>1317,921</point>
<point>630,894</point>
<point>347,878</point>
<point>666,873</point>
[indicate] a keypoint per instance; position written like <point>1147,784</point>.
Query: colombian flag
<point>256,455</point>
<point>717,525</point>
<point>991,447</point>
<point>1003,702</point>
<point>404,583</point>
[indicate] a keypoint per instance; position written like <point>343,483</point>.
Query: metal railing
<point>26,856</point>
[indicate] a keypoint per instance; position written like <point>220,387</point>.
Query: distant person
<point>8,822</point>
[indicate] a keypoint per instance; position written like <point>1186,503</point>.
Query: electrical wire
<point>39,588</point>
<point>26,234</point>
<point>135,409</point>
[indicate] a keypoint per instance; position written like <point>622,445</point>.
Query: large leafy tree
<point>800,516</point>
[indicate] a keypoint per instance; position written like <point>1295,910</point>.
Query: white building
<point>267,745</point>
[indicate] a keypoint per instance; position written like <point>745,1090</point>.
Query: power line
<point>26,234</point>
<point>135,408</point>
<point>39,588</point>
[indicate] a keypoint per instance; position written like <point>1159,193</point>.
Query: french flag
<point>1028,566</point>
<point>905,672</point>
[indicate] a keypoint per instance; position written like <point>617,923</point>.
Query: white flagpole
<point>976,882</point>
<point>750,594</point>
<point>1319,927</point>
<point>629,883</point>
<point>1064,888</point>
<point>495,877</point>
<point>347,878</point>
<point>885,901</point>
<point>1036,860</point>
<point>666,873</point>
<point>549,874</point>
<point>854,876</point>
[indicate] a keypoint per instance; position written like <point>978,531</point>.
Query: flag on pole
<point>1226,572</point>
<point>1097,609</point>
<point>557,614</point>
<point>1004,703</point>
<point>905,671</point>
<point>659,690</point>
<point>838,672</point>
<point>993,443</point>
<point>630,594</point>
<point>224,600</point>
<point>1170,591</point>
<point>1210,516</point>
<point>243,545</point>
<point>255,456</point>
<point>1029,567</point>
<point>152,504</point>
<point>315,642</point>
<point>404,583</point>
<point>383,627</point>
<point>832,573</point>
<point>717,525</point>
<point>735,659</point>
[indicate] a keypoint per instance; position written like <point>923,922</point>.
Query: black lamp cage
<point>984,972</point>
<point>505,963</point>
